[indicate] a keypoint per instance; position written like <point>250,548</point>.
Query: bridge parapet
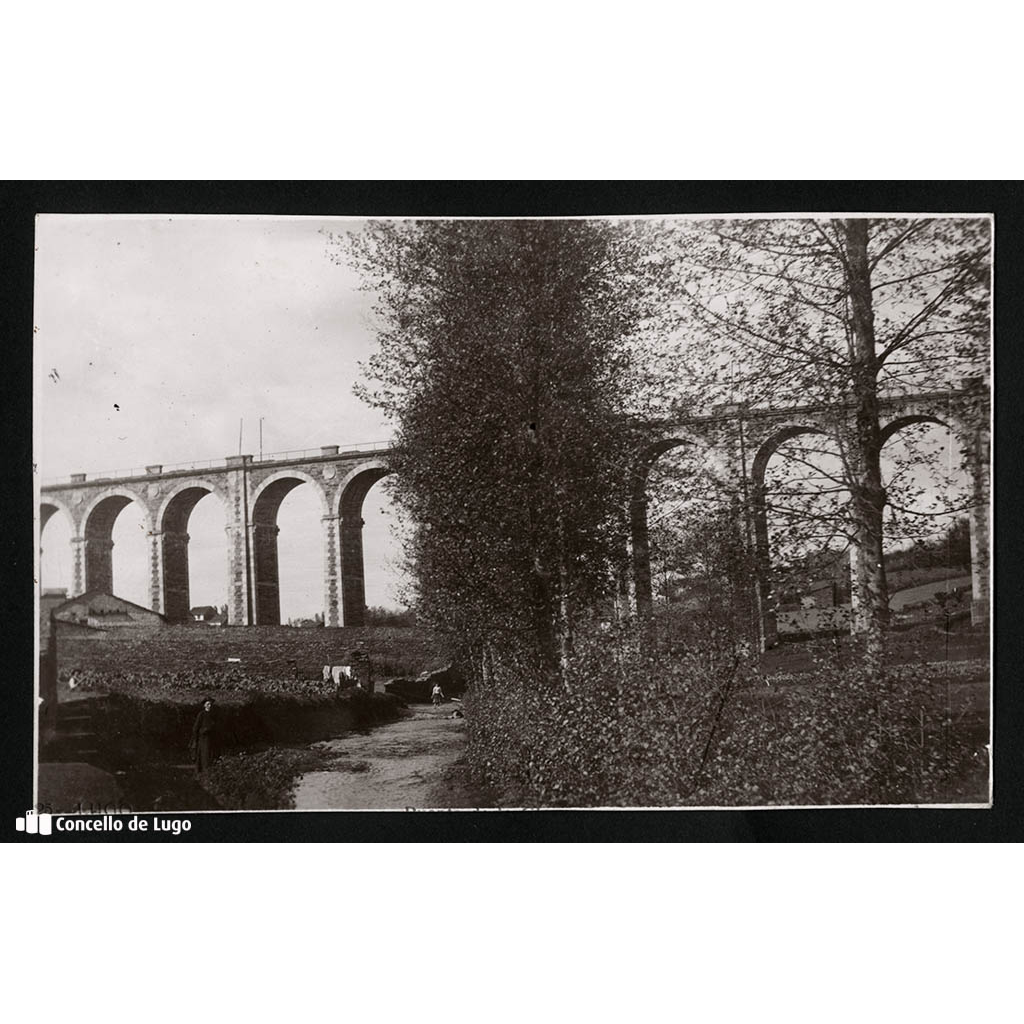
<point>298,456</point>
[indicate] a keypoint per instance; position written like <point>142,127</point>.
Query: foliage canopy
<point>510,363</point>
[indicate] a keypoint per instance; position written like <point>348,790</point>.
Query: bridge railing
<point>103,474</point>
<point>316,453</point>
<point>178,467</point>
<point>207,464</point>
<point>132,472</point>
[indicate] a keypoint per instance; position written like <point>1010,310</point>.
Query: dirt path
<point>407,764</point>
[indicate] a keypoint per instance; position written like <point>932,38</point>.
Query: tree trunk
<point>547,647</point>
<point>641,546</point>
<point>868,495</point>
<point>564,610</point>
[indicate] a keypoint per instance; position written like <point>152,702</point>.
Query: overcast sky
<point>156,335</point>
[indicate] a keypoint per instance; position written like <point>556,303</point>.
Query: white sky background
<point>163,333</point>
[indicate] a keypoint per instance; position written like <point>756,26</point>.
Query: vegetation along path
<point>412,763</point>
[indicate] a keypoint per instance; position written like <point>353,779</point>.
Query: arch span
<point>643,591</point>
<point>902,422</point>
<point>770,445</point>
<point>351,493</point>
<point>764,594</point>
<point>55,514</point>
<point>972,437</point>
<point>173,518</point>
<point>49,507</point>
<point>266,503</point>
<point>97,540</point>
<point>272,490</point>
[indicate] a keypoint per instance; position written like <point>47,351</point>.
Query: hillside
<point>927,591</point>
<point>903,579</point>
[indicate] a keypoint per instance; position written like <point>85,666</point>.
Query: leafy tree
<point>380,616</point>
<point>839,314</point>
<point>704,562</point>
<point>508,363</point>
<point>951,549</point>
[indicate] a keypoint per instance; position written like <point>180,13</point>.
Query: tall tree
<point>505,364</point>
<point>839,313</point>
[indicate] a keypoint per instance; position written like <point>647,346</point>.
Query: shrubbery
<point>693,724</point>
<point>190,684</point>
<point>630,726</point>
<point>845,740</point>
<point>258,782</point>
<point>377,616</point>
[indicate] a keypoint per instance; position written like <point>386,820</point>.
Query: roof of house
<point>90,594</point>
<point>49,601</point>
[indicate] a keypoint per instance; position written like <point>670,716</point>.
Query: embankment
<point>282,651</point>
<point>130,729</point>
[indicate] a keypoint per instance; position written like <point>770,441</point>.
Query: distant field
<point>926,591</point>
<point>919,645</point>
<point>262,650</point>
<point>904,579</point>
<point>906,587</point>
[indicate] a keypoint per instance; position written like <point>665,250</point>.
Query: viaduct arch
<point>267,497</point>
<point>170,587</point>
<point>348,529</point>
<point>744,439</point>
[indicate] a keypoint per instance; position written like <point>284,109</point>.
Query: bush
<point>847,740</point>
<point>378,616</point>
<point>188,685</point>
<point>686,720</point>
<point>262,781</point>
<point>632,725</point>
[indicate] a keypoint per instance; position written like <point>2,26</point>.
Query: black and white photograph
<point>509,512</point>
<point>674,511</point>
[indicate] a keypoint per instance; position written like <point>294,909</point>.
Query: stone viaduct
<point>740,440</point>
<point>251,489</point>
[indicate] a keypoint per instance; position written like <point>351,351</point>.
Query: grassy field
<point>925,592</point>
<point>903,579</point>
<point>919,645</point>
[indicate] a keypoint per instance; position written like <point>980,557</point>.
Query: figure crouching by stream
<point>204,736</point>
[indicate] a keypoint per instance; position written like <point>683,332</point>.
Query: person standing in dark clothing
<point>204,733</point>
